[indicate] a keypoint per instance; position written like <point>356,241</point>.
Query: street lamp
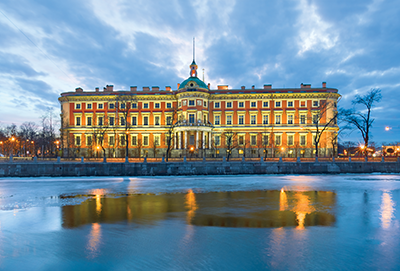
<point>12,146</point>
<point>1,143</point>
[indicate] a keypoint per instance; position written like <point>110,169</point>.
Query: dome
<point>193,82</point>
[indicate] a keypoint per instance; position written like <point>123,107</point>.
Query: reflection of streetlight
<point>98,149</point>
<point>387,128</point>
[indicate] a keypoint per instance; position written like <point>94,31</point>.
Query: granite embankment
<point>68,169</point>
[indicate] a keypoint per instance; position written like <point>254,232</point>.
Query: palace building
<point>200,121</point>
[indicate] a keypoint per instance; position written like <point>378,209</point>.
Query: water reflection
<point>387,210</point>
<point>262,209</point>
<point>94,240</point>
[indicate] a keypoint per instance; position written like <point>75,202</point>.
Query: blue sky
<point>352,45</point>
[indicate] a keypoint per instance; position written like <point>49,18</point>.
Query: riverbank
<point>75,169</point>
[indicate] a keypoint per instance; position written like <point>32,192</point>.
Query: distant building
<point>254,122</point>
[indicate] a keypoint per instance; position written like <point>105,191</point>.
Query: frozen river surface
<point>337,222</point>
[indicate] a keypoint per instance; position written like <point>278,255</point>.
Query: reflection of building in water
<point>269,208</point>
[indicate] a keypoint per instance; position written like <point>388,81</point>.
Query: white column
<point>185,140</point>
<point>180,140</point>
<point>175,141</point>
<point>204,140</point>
<point>209,140</point>
<point>197,139</point>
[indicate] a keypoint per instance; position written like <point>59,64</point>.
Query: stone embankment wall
<point>65,169</point>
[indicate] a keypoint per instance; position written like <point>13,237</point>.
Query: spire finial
<point>193,48</point>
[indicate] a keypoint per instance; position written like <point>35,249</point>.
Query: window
<point>123,106</point>
<point>134,120</point>
<point>100,121</point>
<point>111,106</point>
<point>89,121</point>
<point>122,140</point>
<point>89,140</point>
<point>302,119</point>
<point>217,140</point>
<point>100,106</point>
<point>266,140</point>
<point>169,120</point>
<point>253,119</point>
<point>111,120</point>
<point>156,140</point>
<point>157,105</point>
<point>265,104</point>
<point>145,105</point>
<point>253,104</point>
<point>303,104</point>
<point>315,103</point>
<point>89,106</point>
<point>278,119</point>
<point>122,122</point>
<point>290,140</point>
<point>265,119</point>
<point>179,104</point>
<point>145,120</point>
<point>145,140</point>
<point>191,102</point>
<point>77,140</point>
<point>241,140</point>
<point>205,104</point>
<point>111,141</point>
<point>290,119</point>
<point>199,102</point>
<point>229,120</point>
<point>184,102</point>
<point>302,140</point>
<point>191,139</point>
<point>134,140</point>
<point>290,103</point>
<point>216,104</point>
<point>277,104</point>
<point>77,106</point>
<point>277,140</point>
<point>241,119</point>
<point>216,119</point>
<point>169,105</point>
<point>134,105</point>
<point>241,104</point>
<point>315,119</point>
<point>78,121</point>
<point>229,104</point>
<point>253,140</point>
<point>191,118</point>
<point>157,120</point>
<point>205,118</point>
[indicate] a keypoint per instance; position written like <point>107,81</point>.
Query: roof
<point>196,83</point>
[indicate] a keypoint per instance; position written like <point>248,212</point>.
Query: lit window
<point>216,120</point>
<point>290,104</point>
<point>78,121</point>
<point>216,104</point>
<point>265,104</point>
<point>169,105</point>
<point>265,119</point>
<point>191,102</point>
<point>145,105</point>
<point>278,119</point>
<point>157,105</point>
<point>89,121</point>
<point>228,104</point>
<point>229,120</point>
<point>241,119</point>
<point>253,104</point>
<point>156,120</point>
<point>89,106</point>
<point>145,120</point>
<point>290,119</point>
<point>134,120</point>
<point>277,104</point>
<point>253,119</point>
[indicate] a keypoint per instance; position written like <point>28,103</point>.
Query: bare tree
<point>124,104</point>
<point>154,145</point>
<point>361,119</point>
<point>99,130</point>
<point>171,121</point>
<point>230,141</point>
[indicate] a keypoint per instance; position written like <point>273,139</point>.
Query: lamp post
<point>98,150</point>
<point>32,147</point>
<point>57,146</point>
<point>2,150</point>
<point>12,146</point>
